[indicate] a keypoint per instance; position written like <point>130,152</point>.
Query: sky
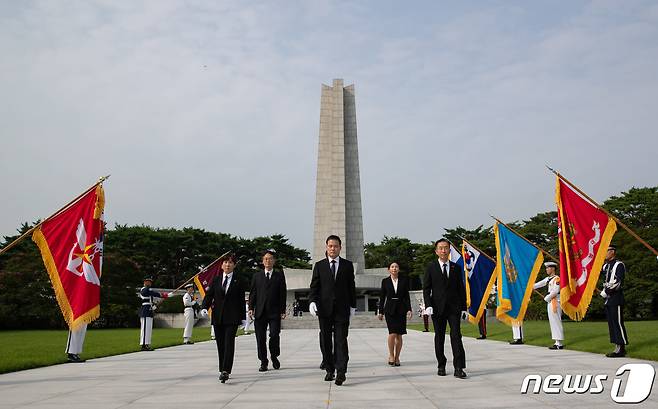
<point>206,113</point>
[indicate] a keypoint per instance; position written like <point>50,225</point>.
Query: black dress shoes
<point>223,377</point>
<point>262,368</point>
<point>147,348</point>
<point>275,363</point>
<point>516,342</point>
<point>619,354</point>
<point>340,378</point>
<point>323,366</point>
<point>459,373</point>
<point>75,358</point>
<point>556,347</point>
<point>329,377</point>
<point>482,337</point>
<point>441,371</point>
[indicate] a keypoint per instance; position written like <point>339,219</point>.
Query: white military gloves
<point>603,294</point>
<point>171,294</point>
<point>313,309</point>
<point>429,311</point>
<point>464,315</point>
<point>204,313</point>
<point>547,298</point>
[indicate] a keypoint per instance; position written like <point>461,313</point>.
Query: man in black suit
<point>445,300</point>
<point>267,304</point>
<point>226,298</point>
<point>333,300</point>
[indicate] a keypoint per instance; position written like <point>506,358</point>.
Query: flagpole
<point>531,243</point>
<point>619,222</point>
<point>476,248</point>
<point>201,271</point>
<point>36,226</point>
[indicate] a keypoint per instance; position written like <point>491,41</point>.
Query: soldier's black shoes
<point>329,377</point>
<point>459,373</point>
<point>441,371</point>
<point>147,348</point>
<point>188,343</point>
<point>275,363</point>
<point>516,342</point>
<point>340,378</point>
<point>262,368</point>
<point>482,337</point>
<point>323,366</point>
<point>75,358</point>
<point>556,347</point>
<point>223,377</point>
<point>619,354</point>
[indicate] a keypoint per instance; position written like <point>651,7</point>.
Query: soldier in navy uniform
<point>613,294</point>
<point>146,313</point>
<point>190,305</point>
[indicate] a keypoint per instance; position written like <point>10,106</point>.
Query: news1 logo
<point>637,387</point>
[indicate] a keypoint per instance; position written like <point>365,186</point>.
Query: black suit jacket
<point>333,298</point>
<point>229,308</point>
<point>393,303</point>
<point>439,292</point>
<point>267,298</point>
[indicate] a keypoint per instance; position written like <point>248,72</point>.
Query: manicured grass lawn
<point>580,336</point>
<point>31,349</point>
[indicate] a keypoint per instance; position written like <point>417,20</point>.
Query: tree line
<point>637,208</point>
<point>172,256</point>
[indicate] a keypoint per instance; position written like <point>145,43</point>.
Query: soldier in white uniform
<point>517,335</point>
<point>75,342</point>
<point>553,303</point>
<point>190,303</point>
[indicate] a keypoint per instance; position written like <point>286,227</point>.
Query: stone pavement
<point>186,376</point>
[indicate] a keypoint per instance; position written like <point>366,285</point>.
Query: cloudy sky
<point>207,113</point>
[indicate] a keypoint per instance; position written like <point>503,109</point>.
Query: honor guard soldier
<point>613,294</point>
<point>74,343</point>
<point>146,313</point>
<point>553,303</point>
<point>191,305</point>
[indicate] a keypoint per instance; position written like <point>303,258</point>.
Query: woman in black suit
<point>226,298</point>
<point>395,305</point>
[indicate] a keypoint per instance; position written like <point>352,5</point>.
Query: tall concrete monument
<point>338,187</point>
<point>338,198</point>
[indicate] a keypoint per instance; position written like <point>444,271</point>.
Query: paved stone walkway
<point>186,376</point>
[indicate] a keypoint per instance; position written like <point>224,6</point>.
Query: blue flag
<point>480,271</point>
<point>456,257</point>
<point>518,262</point>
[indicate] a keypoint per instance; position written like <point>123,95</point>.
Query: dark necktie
<point>267,275</point>
<point>225,284</point>
<point>333,268</point>
<point>445,272</point>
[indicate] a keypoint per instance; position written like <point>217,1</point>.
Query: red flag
<point>71,245</point>
<point>205,277</point>
<point>584,234</point>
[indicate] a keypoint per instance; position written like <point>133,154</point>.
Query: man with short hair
<point>333,301</point>
<point>267,306</point>
<point>613,293</point>
<point>445,300</point>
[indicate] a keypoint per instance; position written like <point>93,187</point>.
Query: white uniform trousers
<point>517,331</point>
<point>76,340</point>
<point>189,323</point>
<point>146,330</point>
<point>555,319</point>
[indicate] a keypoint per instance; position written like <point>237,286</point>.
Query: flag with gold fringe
<point>479,269</point>
<point>71,246</point>
<point>584,234</point>
<point>517,264</point>
<point>204,278</point>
